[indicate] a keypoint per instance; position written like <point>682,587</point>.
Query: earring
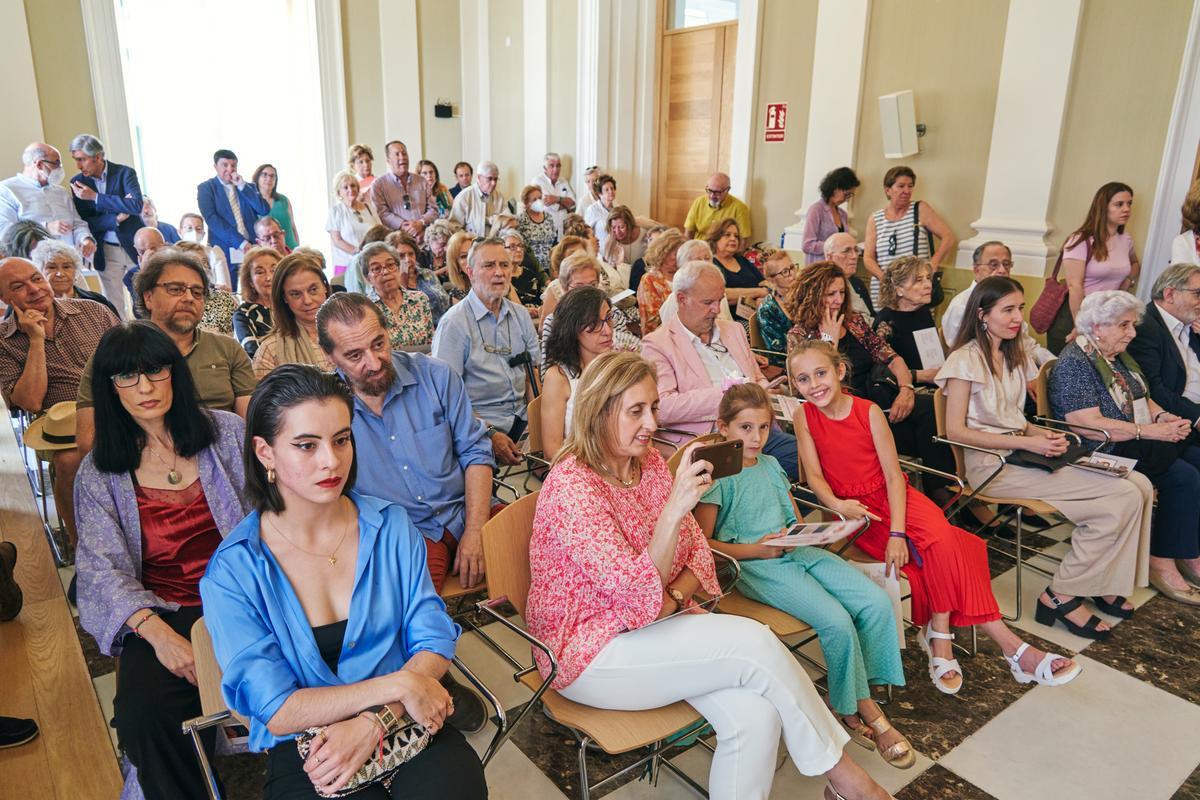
<point>270,475</point>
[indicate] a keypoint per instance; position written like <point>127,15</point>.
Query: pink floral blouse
<point>591,574</point>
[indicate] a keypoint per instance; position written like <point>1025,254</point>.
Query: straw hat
<point>54,430</point>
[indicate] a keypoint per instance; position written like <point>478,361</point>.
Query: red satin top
<point>179,536</point>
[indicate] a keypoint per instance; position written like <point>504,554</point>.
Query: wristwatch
<point>387,718</point>
<point>676,595</point>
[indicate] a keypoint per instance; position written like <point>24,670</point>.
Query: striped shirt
<point>903,229</point>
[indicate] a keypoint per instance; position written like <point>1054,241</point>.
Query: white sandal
<point>939,667</point>
<point>1042,673</point>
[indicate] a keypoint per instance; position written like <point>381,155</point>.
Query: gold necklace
<point>332,557</point>
<point>173,476</point>
<point>618,478</point>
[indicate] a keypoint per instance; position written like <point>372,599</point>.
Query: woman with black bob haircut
<point>155,496</point>
<point>580,331</point>
<point>826,217</point>
<point>322,612</point>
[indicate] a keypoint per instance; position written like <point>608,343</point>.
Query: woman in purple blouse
<point>826,217</point>
<point>157,494</point>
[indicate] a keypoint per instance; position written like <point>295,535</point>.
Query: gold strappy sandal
<point>900,755</point>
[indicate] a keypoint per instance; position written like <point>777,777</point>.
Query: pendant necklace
<point>618,478</point>
<point>173,476</point>
<point>332,557</point>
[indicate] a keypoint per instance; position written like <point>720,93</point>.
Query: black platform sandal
<point>1045,615</point>
<point>1116,609</point>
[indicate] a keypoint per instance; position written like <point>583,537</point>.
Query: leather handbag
<point>1054,295</point>
<point>398,746</point>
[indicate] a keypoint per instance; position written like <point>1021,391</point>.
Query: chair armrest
<point>967,493</point>
<point>737,568</point>
<point>493,701</point>
<point>1066,427</point>
<point>676,432</point>
<point>203,723</point>
<point>915,467</point>
<point>763,352</point>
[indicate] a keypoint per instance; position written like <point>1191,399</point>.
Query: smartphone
<point>725,457</point>
<point>777,381</point>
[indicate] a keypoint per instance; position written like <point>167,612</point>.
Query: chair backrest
<point>939,413</point>
<point>208,673</point>
<point>756,339</point>
<point>534,414</point>
<point>1042,384</point>
<point>506,551</point>
<point>677,457</point>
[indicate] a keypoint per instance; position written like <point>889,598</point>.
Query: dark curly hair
<point>804,303</point>
<point>841,178</point>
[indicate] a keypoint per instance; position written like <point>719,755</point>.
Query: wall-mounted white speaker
<point>898,121</point>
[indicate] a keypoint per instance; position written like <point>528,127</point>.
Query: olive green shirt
<point>219,366</point>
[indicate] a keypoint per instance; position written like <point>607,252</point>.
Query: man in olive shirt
<point>170,288</point>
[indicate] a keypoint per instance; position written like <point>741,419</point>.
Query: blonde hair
<point>458,243</point>
<point>597,402</point>
<point>342,178</point>
<point>664,244</point>
<point>821,346</point>
<point>899,272</point>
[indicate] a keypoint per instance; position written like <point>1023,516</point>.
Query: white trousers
<point>739,676</point>
<point>116,263</point>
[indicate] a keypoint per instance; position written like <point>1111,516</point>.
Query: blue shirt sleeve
<point>471,443</point>
<point>450,341</point>
<point>426,625</point>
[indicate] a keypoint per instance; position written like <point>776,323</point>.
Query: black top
<point>635,274</point>
<point>747,277</point>
<point>528,285</point>
<point>329,641</point>
<point>897,328</point>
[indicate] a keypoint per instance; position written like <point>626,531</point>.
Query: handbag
<point>882,388</point>
<point>401,744</point>
<point>939,293</point>
<point>1054,295</point>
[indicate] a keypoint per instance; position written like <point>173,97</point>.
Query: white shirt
<point>952,319</point>
<point>22,198</point>
<point>352,226</point>
<point>597,217</point>
<point>474,211</point>
<point>560,188</point>
<point>1183,249</point>
<point>1180,332</point>
<point>719,365</point>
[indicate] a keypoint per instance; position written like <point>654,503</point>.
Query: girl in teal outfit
<point>851,615</point>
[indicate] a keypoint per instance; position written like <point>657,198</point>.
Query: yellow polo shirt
<point>701,215</point>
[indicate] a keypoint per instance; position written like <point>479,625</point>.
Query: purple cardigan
<point>109,557</point>
<point>819,226</point>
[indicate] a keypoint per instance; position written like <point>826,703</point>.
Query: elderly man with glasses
<point>402,198</point>
<point>489,342</point>
<point>1167,345</point>
<point>36,194</point>
<point>717,204</point>
<point>475,207</point>
<point>171,288</point>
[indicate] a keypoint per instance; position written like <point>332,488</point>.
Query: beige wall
<point>784,76</point>
<point>364,88</point>
<point>1122,87</point>
<point>562,28</point>
<point>949,55</point>
<point>441,77</point>
<point>60,62</point>
<point>506,77</point>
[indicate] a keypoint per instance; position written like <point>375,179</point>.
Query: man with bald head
<point>842,249</point>
<point>716,205</point>
<point>36,193</point>
<point>44,345</point>
<point>146,242</point>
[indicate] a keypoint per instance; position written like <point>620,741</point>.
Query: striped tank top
<point>894,238</point>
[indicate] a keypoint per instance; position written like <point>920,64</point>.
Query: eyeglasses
<point>717,347</point>
<point>178,289</point>
<point>1193,292</point>
<point>599,324</point>
<point>717,192</point>
<point>786,272</point>
<point>514,247</point>
<point>382,269</point>
<point>127,380</point>
<point>999,264</point>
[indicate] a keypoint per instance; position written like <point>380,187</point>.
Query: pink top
<point>1101,275</point>
<point>591,574</point>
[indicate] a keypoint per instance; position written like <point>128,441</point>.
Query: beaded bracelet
<point>137,628</point>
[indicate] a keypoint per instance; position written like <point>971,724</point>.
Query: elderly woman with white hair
<point>1096,383</point>
<point>60,263</point>
<point>407,314</point>
<point>350,217</point>
<point>475,206</point>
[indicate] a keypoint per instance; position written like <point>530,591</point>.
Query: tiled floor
<point>1124,729</point>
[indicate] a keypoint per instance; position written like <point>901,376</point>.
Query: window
<point>693,13</point>
<point>208,74</point>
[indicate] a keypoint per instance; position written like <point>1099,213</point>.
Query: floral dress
<point>540,238</point>
<point>651,294</point>
<point>412,326</point>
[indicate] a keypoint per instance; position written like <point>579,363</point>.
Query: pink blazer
<point>687,399</point>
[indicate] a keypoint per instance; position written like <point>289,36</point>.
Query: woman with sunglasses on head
<point>298,289</point>
<point>155,496</point>
<point>903,228</point>
<point>323,615</point>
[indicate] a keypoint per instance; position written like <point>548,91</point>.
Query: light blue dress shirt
<point>22,198</point>
<point>497,391</point>
<point>102,188</point>
<point>264,642</point>
<point>417,452</point>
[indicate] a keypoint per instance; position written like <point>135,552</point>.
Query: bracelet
<point>897,535</point>
<point>1137,432</point>
<point>1159,414</point>
<point>137,626</point>
<point>374,719</point>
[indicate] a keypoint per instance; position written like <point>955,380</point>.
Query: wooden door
<point>695,123</point>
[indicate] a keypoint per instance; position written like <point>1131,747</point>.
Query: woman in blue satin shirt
<point>321,609</point>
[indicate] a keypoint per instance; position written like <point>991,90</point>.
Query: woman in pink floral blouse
<point>614,549</point>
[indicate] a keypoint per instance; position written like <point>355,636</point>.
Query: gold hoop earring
<point>270,475</point>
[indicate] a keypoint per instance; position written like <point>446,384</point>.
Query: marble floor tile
<point>1081,740</point>
<point>1190,790</point>
<point>939,783</point>
<point>510,774</point>
<point>1160,644</point>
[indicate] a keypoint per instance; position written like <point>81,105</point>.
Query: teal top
<point>279,211</point>
<point>763,502</point>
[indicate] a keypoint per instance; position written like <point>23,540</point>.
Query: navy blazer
<point>218,216</point>
<point>122,195</point>
<point>1155,351</point>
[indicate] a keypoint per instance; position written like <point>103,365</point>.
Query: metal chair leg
<point>585,791</point>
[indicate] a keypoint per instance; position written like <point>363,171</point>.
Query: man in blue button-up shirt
<point>418,442</point>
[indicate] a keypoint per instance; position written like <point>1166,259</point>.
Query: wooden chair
<point>506,550</point>
<point>1042,385</point>
<point>215,712</point>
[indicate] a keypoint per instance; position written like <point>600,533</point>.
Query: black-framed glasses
<point>127,380</point>
<point>892,243</point>
<point>717,347</point>
<point>178,289</point>
<point>599,324</point>
<point>786,272</point>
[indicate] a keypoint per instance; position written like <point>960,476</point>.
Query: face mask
<point>56,176</point>
<point>192,236</point>
<point>537,206</point>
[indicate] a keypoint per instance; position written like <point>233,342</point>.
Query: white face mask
<point>56,176</point>
<point>537,206</point>
<point>192,236</point>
